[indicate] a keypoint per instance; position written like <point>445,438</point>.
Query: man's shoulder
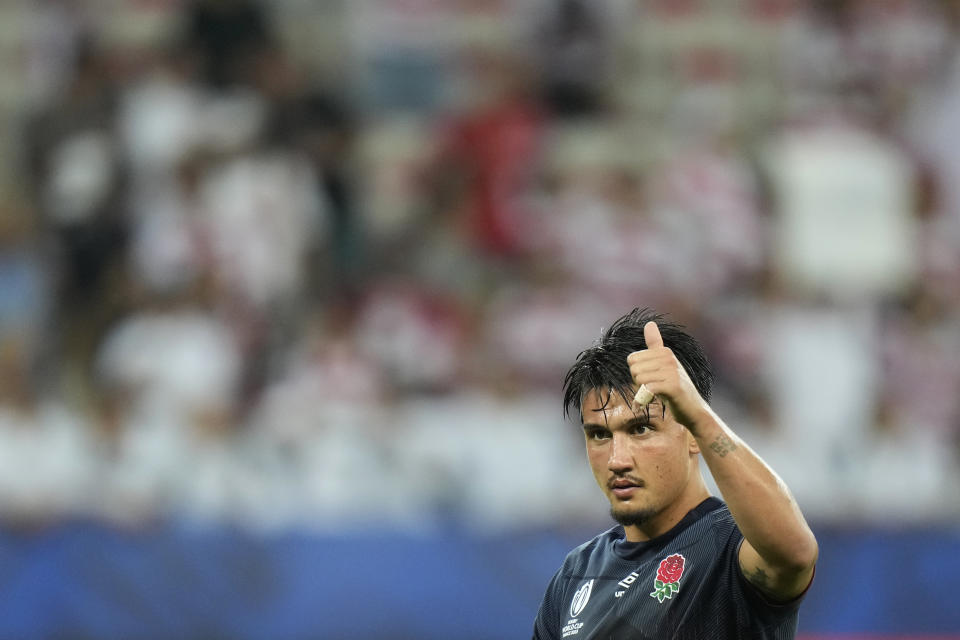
<point>714,521</point>
<point>600,543</point>
<point>598,546</point>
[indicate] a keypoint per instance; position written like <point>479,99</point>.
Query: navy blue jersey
<point>685,584</point>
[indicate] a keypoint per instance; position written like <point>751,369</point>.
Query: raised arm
<point>779,551</point>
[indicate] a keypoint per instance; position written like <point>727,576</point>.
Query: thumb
<point>651,333</point>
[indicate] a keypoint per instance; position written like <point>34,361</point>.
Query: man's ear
<point>692,445</point>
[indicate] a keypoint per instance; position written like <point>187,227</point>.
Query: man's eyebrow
<point>587,426</point>
<point>632,422</point>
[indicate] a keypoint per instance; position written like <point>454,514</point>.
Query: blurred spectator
<point>43,466</point>
<point>884,48</point>
<point>821,54</point>
<point>736,329</point>
<point>323,368</point>
<point>260,213</point>
<point>821,364</point>
<point>172,352</point>
<point>26,286</point>
<point>918,424</point>
<point>596,226</point>
<point>845,221</point>
<point>318,122</point>
<point>905,44</point>
<point>160,116</point>
<point>78,181</point>
<point>55,30</point>
<point>226,34</point>
<point>168,248</point>
<point>327,432</point>
<point>260,216</point>
<point>169,376</point>
<point>921,336</point>
<point>532,327</point>
<point>416,336</point>
<point>400,53</point>
<point>137,452</point>
<point>487,155</point>
<point>708,201</point>
<point>930,126</point>
<point>574,52</point>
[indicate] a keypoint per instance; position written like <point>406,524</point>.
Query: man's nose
<point>620,459</point>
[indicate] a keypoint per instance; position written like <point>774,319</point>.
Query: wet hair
<point>604,365</point>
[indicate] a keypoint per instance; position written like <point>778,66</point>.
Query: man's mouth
<point>624,487</point>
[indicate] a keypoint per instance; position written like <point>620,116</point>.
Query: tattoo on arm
<point>723,445</point>
<point>759,579</point>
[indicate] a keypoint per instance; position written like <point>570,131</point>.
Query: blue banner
<point>85,581</point>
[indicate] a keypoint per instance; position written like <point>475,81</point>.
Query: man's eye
<point>598,435</point>
<point>639,429</point>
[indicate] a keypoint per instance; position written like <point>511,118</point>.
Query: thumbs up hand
<point>651,333</point>
<point>657,373</point>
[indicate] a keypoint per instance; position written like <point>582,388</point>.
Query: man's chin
<point>631,517</point>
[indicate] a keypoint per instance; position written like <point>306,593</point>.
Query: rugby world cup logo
<point>580,599</point>
<point>667,581</point>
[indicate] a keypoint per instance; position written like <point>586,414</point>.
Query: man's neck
<point>668,518</point>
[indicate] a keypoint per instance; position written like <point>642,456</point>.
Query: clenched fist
<point>657,372</point>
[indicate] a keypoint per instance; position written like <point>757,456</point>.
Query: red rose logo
<point>671,568</point>
<point>668,577</point>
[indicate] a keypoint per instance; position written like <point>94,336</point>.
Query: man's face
<point>644,460</point>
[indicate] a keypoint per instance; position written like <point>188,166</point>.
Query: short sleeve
<point>762,613</point>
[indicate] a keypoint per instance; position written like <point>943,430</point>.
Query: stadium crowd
<point>324,265</point>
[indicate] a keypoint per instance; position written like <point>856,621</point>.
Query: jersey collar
<point>633,550</point>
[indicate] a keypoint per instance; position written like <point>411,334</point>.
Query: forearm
<point>760,502</point>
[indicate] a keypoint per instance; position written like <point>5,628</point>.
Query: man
<point>682,564</point>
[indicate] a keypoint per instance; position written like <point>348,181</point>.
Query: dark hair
<point>604,365</point>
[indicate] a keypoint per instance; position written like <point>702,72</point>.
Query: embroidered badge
<point>668,577</point>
